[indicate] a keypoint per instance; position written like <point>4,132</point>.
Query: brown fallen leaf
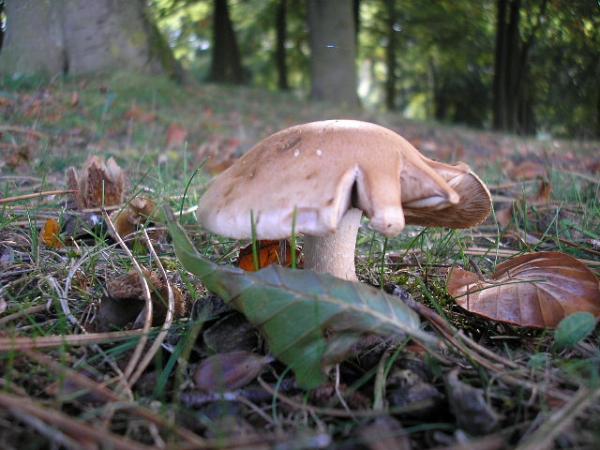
<point>269,252</point>
<point>137,212</point>
<point>229,371</point>
<point>98,184</point>
<point>534,290</point>
<point>384,433</point>
<point>528,170</point>
<point>504,216</point>
<point>544,193</point>
<point>50,234</point>
<point>137,114</point>
<point>125,302</point>
<point>176,136</point>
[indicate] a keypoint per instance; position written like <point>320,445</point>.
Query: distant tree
<point>512,89</point>
<point>280,39</point>
<point>333,51</point>
<point>390,54</point>
<point>1,23</point>
<point>226,62</point>
<point>82,36</point>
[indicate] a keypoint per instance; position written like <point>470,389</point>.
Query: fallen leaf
<point>137,114</point>
<point>544,192</point>
<point>125,302</point>
<point>528,170</point>
<point>309,320</point>
<point>467,403</point>
<point>176,135</point>
<point>269,252</point>
<point>229,371</point>
<point>533,290</point>
<point>50,234</point>
<point>19,157</point>
<point>74,99</point>
<point>504,216</point>
<point>385,433</point>
<point>138,211</point>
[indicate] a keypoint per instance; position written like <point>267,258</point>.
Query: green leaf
<point>296,309</point>
<point>573,329</point>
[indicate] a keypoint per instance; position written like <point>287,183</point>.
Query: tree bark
<point>79,37</point>
<point>226,62</point>
<point>333,51</point>
<point>390,55</point>
<point>280,51</point>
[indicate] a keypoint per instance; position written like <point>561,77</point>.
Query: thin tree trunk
<point>499,93</point>
<point>280,52</point>
<point>390,55</point>
<point>333,51</point>
<point>226,63</point>
<point>356,14</point>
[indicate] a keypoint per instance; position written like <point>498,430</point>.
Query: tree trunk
<point>1,23</point>
<point>333,51</point>
<point>280,52</point>
<point>356,14</point>
<point>79,37</point>
<point>226,63</point>
<point>390,55</point>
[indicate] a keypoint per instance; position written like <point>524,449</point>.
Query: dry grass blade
<point>559,420</point>
<point>18,198</point>
<point>104,392</point>
<point>17,343</point>
<point>168,319</point>
<point>137,353</point>
<point>67,424</point>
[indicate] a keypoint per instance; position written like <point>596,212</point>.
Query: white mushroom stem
<point>334,253</point>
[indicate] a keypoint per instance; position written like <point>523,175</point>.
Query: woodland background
<point>523,66</point>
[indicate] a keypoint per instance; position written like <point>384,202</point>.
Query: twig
<point>27,343</point>
<point>22,130</point>
<point>559,420</point>
<point>35,195</point>
<point>66,423</point>
<point>25,312</point>
<point>333,412</point>
<point>137,353</point>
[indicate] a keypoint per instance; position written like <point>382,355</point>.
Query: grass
<point>531,386</point>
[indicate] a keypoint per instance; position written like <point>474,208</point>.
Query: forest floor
<point>76,367</point>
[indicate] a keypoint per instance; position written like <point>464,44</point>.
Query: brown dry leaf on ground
<point>98,184</point>
<point>125,302</point>
<point>534,290</point>
<point>229,371</point>
<point>137,114</point>
<point>269,252</point>
<point>527,170</point>
<point>50,234</point>
<point>176,135</point>
<point>137,212</point>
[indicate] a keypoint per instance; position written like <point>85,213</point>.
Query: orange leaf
<point>528,170</point>
<point>176,135</point>
<point>534,290</point>
<point>50,234</point>
<point>269,252</point>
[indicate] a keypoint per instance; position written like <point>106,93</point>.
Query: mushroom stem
<point>334,253</point>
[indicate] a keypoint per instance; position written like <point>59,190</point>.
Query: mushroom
<point>324,176</point>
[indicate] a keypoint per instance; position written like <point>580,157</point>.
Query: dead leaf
<point>544,192</point>
<point>534,290</point>
<point>467,403</point>
<point>269,252</point>
<point>527,170</point>
<point>19,157</point>
<point>385,433</point>
<point>74,99</point>
<point>229,371</point>
<point>176,135</point>
<point>137,114</point>
<point>125,302</point>
<point>98,184</point>
<point>50,234</point>
<point>504,216</point>
<point>137,212</point>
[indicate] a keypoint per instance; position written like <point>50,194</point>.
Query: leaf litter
<point>493,357</point>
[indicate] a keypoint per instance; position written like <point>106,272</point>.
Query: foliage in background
<point>444,56</point>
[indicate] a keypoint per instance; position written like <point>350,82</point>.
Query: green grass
<point>417,261</point>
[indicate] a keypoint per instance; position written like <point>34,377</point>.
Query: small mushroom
<point>325,176</point>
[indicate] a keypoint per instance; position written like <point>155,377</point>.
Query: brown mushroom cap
<point>320,169</point>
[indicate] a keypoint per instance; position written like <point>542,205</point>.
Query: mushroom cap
<point>316,171</point>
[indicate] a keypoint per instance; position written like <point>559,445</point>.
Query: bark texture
<point>226,62</point>
<point>81,36</point>
<point>333,51</point>
<point>280,52</point>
